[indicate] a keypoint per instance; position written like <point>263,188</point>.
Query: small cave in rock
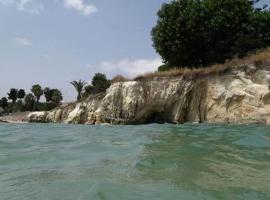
<point>156,117</point>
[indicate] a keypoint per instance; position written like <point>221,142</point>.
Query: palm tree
<point>78,85</point>
<point>12,95</point>
<point>37,91</point>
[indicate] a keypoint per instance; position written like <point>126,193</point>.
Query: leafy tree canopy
<point>12,95</point>
<point>48,94</point>
<point>29,101</point>
<point>100,83</point>
<point>203,32</point>
<point>4,102</point>
<point>21,94</point>
<point>88,89</point>
<point>56,97</point>
<point>53,95</point>
<point>37,91</point>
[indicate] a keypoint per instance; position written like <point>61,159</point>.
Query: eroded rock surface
<point>241,95</point>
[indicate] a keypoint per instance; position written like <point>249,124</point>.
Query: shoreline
<point>14,122</point>
<point>22,118</point>
<point>15,118</point>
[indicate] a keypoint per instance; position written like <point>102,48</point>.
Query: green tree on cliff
<point>48,94</point>
<point>100,83</point>
<point>53,95</point>
<point>56,97</point>
<point>202,32</point>
<point>78,85</point>
<point>88,90</point>
<point>37,91</point>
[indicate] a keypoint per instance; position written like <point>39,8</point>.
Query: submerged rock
<point>239,96</point>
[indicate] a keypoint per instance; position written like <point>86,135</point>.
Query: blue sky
<point>52,42</point>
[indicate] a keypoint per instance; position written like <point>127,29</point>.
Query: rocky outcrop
<point>239,95</point>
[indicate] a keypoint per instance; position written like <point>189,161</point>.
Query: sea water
<point>148,162</point>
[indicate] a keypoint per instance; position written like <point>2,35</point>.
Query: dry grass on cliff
<point>119,78</point>
<point>211,70</point>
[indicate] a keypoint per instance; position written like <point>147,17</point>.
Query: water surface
<point>149,162</point>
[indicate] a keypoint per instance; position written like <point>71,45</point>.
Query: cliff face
<point>240,95</point>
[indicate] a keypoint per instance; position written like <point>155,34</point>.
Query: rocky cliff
<point>238,95</point>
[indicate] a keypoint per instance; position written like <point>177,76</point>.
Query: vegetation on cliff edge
<point>199,33</point>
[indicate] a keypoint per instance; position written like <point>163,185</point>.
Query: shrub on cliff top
<point>56,97</point>
<point>119,78</point>
<point>217,69</point>
<point>203,32</point>
<point>99,84</point>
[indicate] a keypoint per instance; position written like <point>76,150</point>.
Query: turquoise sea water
<point>149,162</point>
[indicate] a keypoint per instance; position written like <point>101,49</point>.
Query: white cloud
<point>23,41</point>
<point>80,6</point>
<point>36,6</point>
<point>126,67</point>
<point>29,6</point>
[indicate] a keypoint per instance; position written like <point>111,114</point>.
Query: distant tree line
<point>18,101</point>
<point>198,33</point>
